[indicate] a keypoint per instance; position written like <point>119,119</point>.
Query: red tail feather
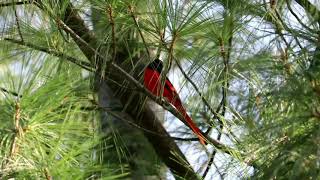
<point>190,122</point>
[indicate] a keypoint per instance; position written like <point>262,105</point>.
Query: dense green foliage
<point>247,71</point>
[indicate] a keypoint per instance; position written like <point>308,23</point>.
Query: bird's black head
<point>156,65</point>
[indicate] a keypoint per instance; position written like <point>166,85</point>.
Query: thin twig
<point>226,58</point>
<point>161,35</point>
<point>297,18</point>
<point>128,119</point>
<point>113,34</point>
<point>210,162</point>
<point>278,30</point>
<point>168,66</point>
<point>139,30</point>
<point>310,9</point>
<point>18,23</point>
<point>82,64</point>
<point>123,116</point>
<point>215,114</point>
<point>286,28</point>
<point>10,92</point>
<point>217,169</point>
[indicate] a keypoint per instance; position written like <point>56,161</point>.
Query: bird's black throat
<point>156,65</point>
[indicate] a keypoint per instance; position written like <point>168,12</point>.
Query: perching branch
<point>166,105</point>
<point>126,118</point>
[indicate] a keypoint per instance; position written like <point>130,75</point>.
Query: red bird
<point>152,81</point>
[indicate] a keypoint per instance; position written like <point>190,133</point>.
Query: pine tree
<point>73,105</point>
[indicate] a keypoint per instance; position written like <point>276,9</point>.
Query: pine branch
<point>311,9</point>
<point>113,37</point>
<point>139,30</point>
<point>166,105</point>
<point>204,100</point>
<point>85,39</point>
<point>91,52</point>
<point>297,17</point>
<point>18,24</point>
<point>82,64</point>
